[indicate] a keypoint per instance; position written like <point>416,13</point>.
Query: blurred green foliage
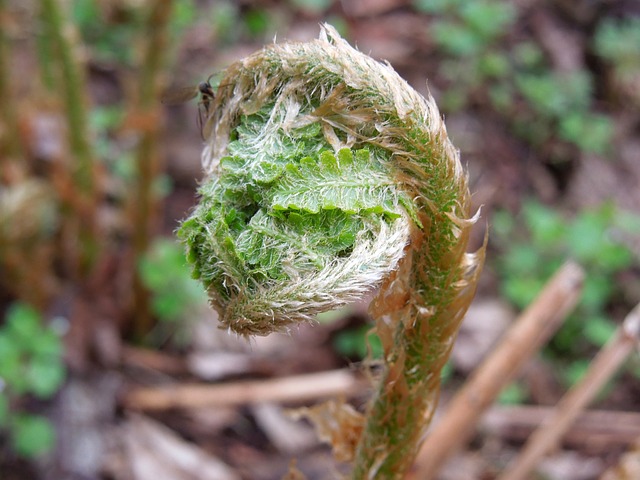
<point>468,34</point>
<point>618,41</point>
<point>535,244</point>
<point>31,435</point>
<point>468,29</point>
<point>513,394</point>
<point>30,365</point>
<point>362,343</point>
<point>109,42</point>
<point>358,342</point>
<point>312,6</point>
<point>481,64</point>
<point>104,120</point>
<point>257,22</point>
<point>560,106</point>
<point>111,31</point>
<point>166,274</point>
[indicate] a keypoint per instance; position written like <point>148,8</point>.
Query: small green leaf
<point>619,42</point>
<point>522,259</point>
<point>553,95</point>
<point>591,132</point>
<point>23,323</point>
<point>455,39</point>
<point>598,330</point>
<point>4,409</point>
<point>355,343</point>
<point>437,6</point>
<point>165,273</point>
<point>596,291</point>
<point>575,372</point>
<point>503,224</point>
<point>32,435</point>
<point>586,236</point>
<point>522,290</point>
<point>45,376</point>
<point>327,161</point>
<point>447,372</point>
<point>9,352</point>
<point>184,14</point>
<point>312,6</point>
<point>45,343</point>
<point>345,156</point>
<point>494,64</point>
<point>528,55</point>
<point>512,394</point>
<point>546,225</point>
<point>614,257</point>
<point>489,19</point>
<point>11,365</point>
<point>257,21</point>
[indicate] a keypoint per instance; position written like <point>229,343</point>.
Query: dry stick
<point>593,429</point>
<point>153,360</point>
<point>290,389</point>
<point>602,368</point>
<point>532,330</point>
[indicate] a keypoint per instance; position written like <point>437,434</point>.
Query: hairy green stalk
<point>144,199</point>
<point>328,176</point>
<point>80,210</point>
<point>10,147</point>
<point>72,82</point>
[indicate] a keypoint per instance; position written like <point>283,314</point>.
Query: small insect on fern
<point>174,96</point>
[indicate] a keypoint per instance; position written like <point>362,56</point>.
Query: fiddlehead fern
<point>328,176</point>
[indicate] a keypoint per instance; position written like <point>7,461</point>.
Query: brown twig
<point>534,327</point>
<point>602,368</point>
<point>593,429</point>
<point>290,389</point>
<point>153,360</point>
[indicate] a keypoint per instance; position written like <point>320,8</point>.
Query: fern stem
<point>145,199</point>
<point>9,140</point>
<point>63,37</point>
<point>83,198</point>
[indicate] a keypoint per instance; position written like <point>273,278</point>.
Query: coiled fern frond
<point>328,176</point>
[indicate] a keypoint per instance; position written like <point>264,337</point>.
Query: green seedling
<point>30,365</point>
<point>538,241</point>
<point>164,271</point>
